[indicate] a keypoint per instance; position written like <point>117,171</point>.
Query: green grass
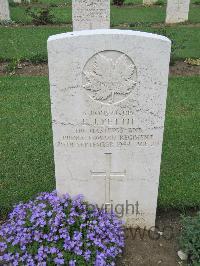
<point>56,2</point>
<point>26,43</point>
<point>185,40</point>
<point>19,15</point>
<point>138,14</point>
<point>155,14</point>
<point>62,15</point>
<point>30,43</point>
<point>26,142</point>
<point>180,169</point>
<point>194,16</point>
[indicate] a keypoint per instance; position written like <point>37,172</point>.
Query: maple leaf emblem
<point>109,79</point>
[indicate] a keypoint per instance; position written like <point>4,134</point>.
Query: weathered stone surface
<point>90,14</point>
<point>20,1</point>
<point>182,255</point>
<point>177,11</point>
<point>4,10</point>
<point>108,94</point>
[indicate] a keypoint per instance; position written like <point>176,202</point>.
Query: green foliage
<point>40,16</point>
<point>137,14</point>
<point>23,3</point>
<point>12,65</point>
<point>190,238</point>
<point>13,4</point>
<point>174,46</point>
<point>26,140</point>
<point>197,2</point>
<point>38,58</point>
<point>130,2</point>
<point>28,44</point>
<point>159,3</point>
<point>118,2</point>
<point>180,175</point>
<point>6,22</point>
<point>53,5</point>
<point>140,24</point>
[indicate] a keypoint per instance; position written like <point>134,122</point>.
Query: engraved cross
<point>108,175</point>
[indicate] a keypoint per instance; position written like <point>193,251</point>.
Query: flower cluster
<point>52,230</point>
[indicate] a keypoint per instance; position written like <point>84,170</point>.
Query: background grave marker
<point>90,14</point>
<point>177,11</point>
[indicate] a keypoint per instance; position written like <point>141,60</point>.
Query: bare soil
<point>181,68</point>
<point>26,69</point>
<point>29,69</point>
<point>157,247</point>
<point>119,26</point>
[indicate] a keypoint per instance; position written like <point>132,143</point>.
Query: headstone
<point>4,10</point>
<point>177,11</point>
<point>20,1</point>
<point>108,94</point>
<point>149,2</point>
<point>90,14</point>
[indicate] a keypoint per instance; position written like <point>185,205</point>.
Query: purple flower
<point>72,263</point>
<point>49,213</point>
<point>59,261</point>
<point>87,255</point>
<point>3,246</point>
<point>49,228</point>
<point>53,250</point>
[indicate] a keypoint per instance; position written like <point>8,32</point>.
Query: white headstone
<point>4,10</point>
<point>20,1</point>
<point>149,2</point>
<point>108,94</point>
<point>90,14</point>
<point>177,11</point>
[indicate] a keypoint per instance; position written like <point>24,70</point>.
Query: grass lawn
<point>30,43</point>
<point>26,43</point>
<point>26,142</point>
<point>180,168</point>
<point>155,14</point>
